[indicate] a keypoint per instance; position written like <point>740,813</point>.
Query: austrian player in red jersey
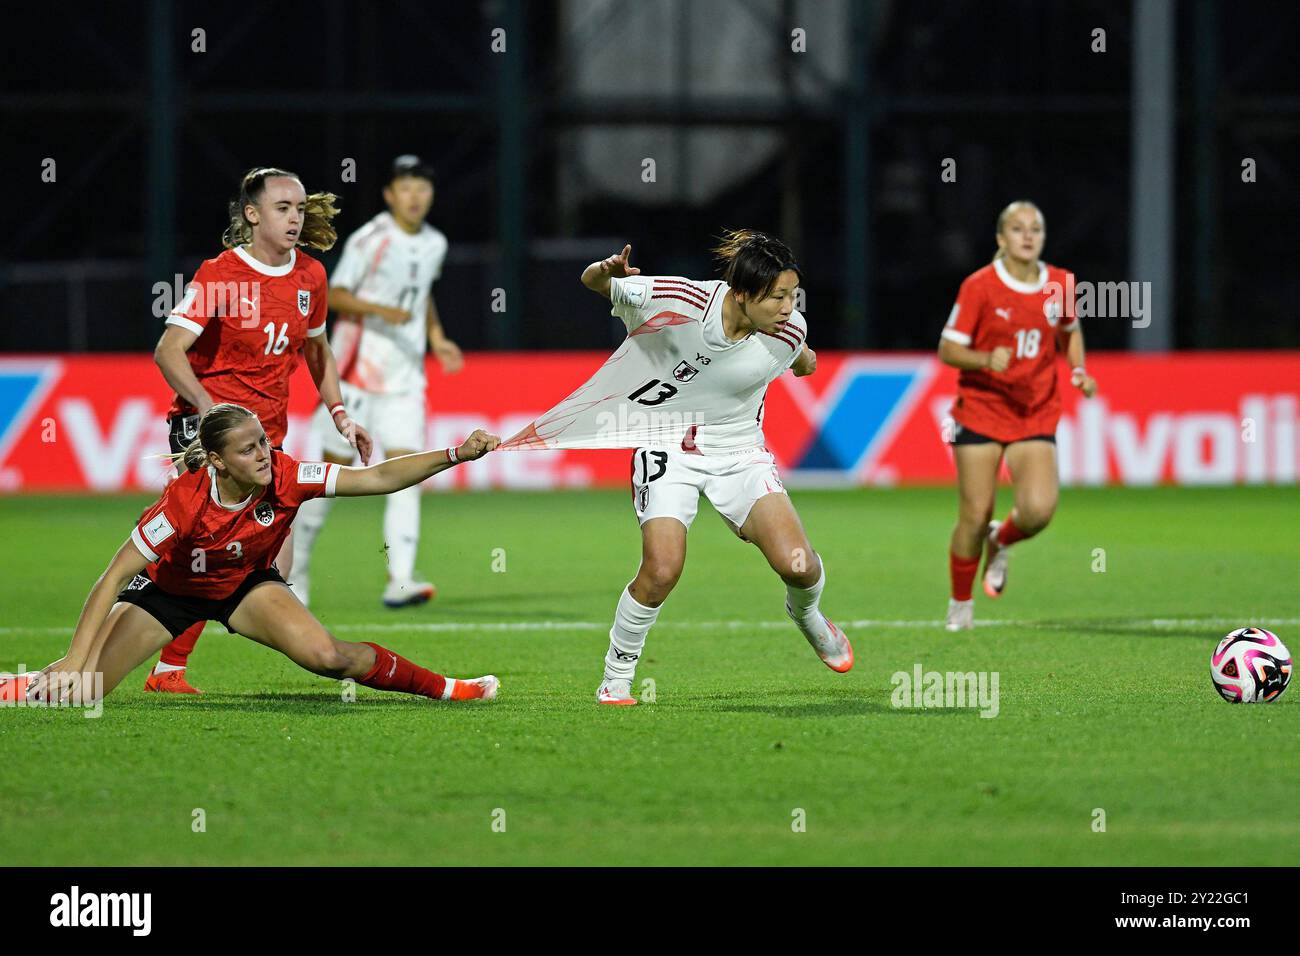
<point>1005,332</point>
<point>237,334</point>
<point>205,552</point>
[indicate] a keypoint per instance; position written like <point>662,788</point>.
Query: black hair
<point>752,261</point>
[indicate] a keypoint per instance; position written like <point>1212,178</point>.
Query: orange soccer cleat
<point>13,687</point>
<point>477,688</point>
<point>169,682</point>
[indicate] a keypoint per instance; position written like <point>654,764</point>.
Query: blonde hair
<point>216,423</point>
<point>317,232</point>
<point>1005,214</point>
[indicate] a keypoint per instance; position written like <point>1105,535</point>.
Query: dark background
<point>151,139</point>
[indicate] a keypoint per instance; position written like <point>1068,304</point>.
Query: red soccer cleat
<point>169,682</point>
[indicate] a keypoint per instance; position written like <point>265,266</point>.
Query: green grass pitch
<point>1105,699</point>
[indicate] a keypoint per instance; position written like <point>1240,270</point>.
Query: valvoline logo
<point>850,417</point>
<point>24,383</point>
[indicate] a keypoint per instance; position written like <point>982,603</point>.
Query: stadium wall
<point>92,423</point>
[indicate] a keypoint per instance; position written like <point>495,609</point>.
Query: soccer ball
<point>1250,665</point>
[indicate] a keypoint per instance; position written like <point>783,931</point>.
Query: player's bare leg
<point>977,485</point>
<point>401,540</point>
<point>1034,477</point>
<point>663,555</point>
<point>129,637</point>
<point>271,615</point>
<point>306,527</point>
<point>774,526</point>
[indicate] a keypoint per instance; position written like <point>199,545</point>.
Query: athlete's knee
<point>1034,512</point>
<point>800,567</point>
<point>659,575</point>
<point>323,655</point>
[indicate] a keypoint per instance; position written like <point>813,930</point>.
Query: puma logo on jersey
<point>1005,313</point>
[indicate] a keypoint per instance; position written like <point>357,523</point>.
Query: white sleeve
<point>794,333</point>
<point>351,265</point>
<point>630,299</point>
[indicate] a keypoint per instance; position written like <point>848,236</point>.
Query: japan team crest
<point>264,514</point>
<point>304,301</point>
<point>685,371</point>
<point>1052,310</point>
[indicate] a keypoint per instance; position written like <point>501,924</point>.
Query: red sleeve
<point>960,327</point>
<point>195,307</point>
<point>320,302</point>
<point>299,481</point>
<point>158,530</point>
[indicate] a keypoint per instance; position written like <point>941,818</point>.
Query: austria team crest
<point>304,301</point>
<point>264,513</point>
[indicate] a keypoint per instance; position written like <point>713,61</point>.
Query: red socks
<point>962,571</point>
<point>395,672</point>
<point>178,651</point>
<point>1008,532</point>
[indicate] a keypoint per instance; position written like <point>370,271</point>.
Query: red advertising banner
<point>95,422</point>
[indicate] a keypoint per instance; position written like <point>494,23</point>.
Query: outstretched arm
<point>597,275</point>
<point>398,473</point>
<point>126,564</point>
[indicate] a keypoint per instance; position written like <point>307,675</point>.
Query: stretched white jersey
<point>384,264</point>
<point>676,381</point>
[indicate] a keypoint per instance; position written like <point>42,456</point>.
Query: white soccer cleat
<point>616,692</point>
<point>995,562</point>
<point>961,615</point>
<point>408,593</point>
<point>831,644</point>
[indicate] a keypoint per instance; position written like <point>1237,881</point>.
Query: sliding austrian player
<point>1003,333</point>
<point>205,552</point>
<point>724,342</point>
<point>237,334</point>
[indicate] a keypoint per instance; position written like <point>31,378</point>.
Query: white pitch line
<point>526,626</point>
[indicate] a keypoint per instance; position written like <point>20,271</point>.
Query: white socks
<point>161,668</point>
<point>803,602</point>
<point>632,621</point>
<point>306,526</point>
<point>402,531</point>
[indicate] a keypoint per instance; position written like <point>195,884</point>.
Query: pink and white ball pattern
<point>1250,665</point>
